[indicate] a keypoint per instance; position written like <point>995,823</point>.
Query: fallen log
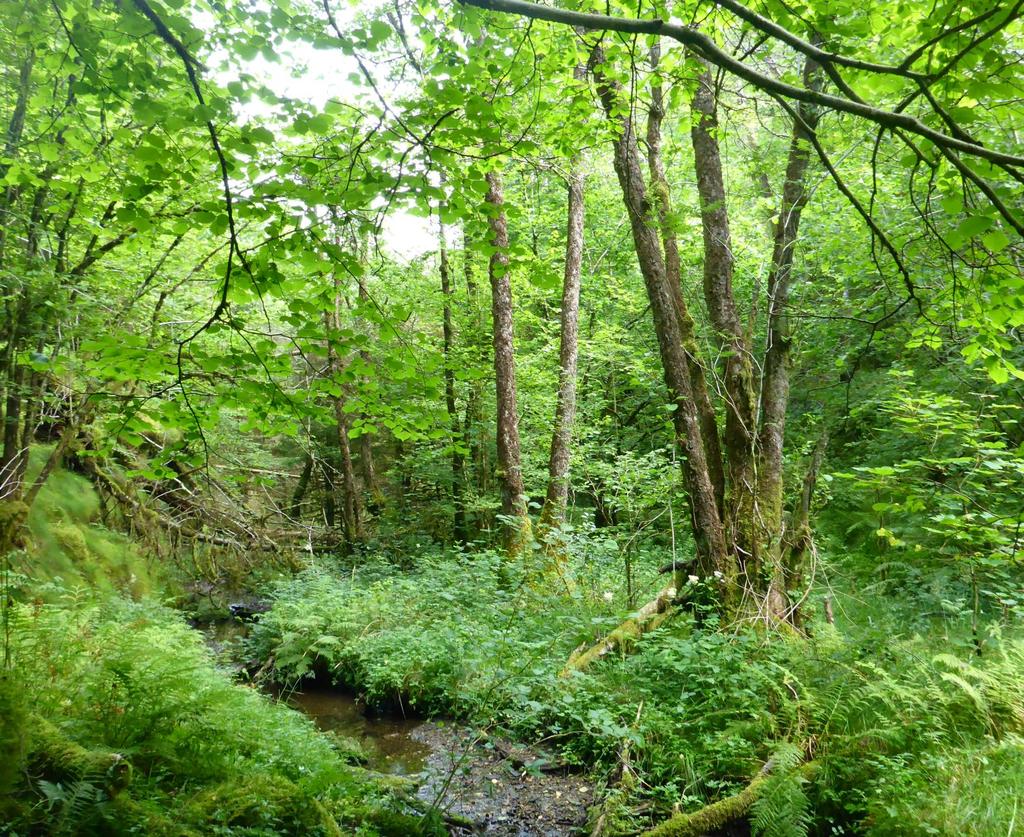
<point>56,755</point>
<point>653,614</point>
<point>711,818</point>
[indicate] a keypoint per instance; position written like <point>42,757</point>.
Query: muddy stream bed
<point>496,786</point>
<point>487,785</point>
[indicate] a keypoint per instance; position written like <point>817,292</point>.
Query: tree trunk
<point>447,333</point>
<point>775,379</point>
<point>797,540</point>
<point>12,139</point>
<point>10,485</point>
<point>733,340</point>
<point>351,512</point>
<point>673,276</point>
<point>295,509</point>
<point>708,530</point>
<point>329,510</point>
<point>513,493</point>
<point>351,516</point>
<point>552,516</point>
<point>366,463</point>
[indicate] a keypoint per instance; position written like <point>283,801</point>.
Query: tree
<point>552,516</point>
<point>510,469</point>
<point>736,487</point>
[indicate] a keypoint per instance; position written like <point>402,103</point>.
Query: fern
<point>74,805</point>
<point>782,808</point>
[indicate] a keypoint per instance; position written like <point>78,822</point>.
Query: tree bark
<point>366,463</point>
<point>646,619</point>
<point>552,516</point>
<point>295,509</point>
<point>733,340</point>
<point>708,530</point>
<point>350,512</point>
<point>775,379</point>
<point>448,338</point>
<point>10,485</point>
<point>513,493</point>
<point>673,275</point>
<point>473,424</point>
<point>12,139</point>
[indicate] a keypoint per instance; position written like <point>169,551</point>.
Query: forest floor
<point>499,788</point>
<point>435,682</point>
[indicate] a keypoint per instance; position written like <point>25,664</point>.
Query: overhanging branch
<point>707,49</point>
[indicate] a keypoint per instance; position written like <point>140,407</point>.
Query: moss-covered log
<point>13,514</point>
<point>717,815</point>
<point>711,817</point>
<point>653,614</point>
<point>58,756</point>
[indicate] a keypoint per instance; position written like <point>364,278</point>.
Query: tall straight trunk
<point>10,485</point>
<point>34,398</point>
<point>733,340</point>
<point>552,516</point>
<point>14,385</point>
<point>351,512</point>
<point>295,509</point>
<point>775,379</point>
<point>707,524</point>
<point>351,516</point>
<point>12,139</point>
<point>513,493</point>
<point>366,462</point>
<point>329,511</point>
<point>473,426</point>
<point>447,338</point>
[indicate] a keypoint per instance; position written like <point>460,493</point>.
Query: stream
<point>491,786</point>
<point>458,774</point>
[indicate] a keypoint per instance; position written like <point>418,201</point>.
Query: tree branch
<point>706,48</point>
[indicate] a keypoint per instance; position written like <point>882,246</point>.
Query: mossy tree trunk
<point>510,470</point>
<point>552,517</point>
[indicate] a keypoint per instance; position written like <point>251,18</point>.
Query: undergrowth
<point>127,726</point>
<point>886,732</point>
<point>68,545</point>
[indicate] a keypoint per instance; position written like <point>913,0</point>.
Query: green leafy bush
<point>887,722</point>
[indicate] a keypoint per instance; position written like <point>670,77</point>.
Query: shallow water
<point>454,768</point>
<point>388,740</point>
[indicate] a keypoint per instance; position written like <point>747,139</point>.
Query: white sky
<point>315,76</point>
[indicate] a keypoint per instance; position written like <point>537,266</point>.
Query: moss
<point>67,541</point>
<point>261,800</point>
<point>650,617</point>
<point>13,715</point>
<point>394,824</point>
<point>57,756</point>
<point>710,818</point>
<point>12,518</point>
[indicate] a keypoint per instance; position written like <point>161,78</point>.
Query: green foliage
<point>859,729</point>
<point>114,677</point>
<point>69,544</point>
<point>946,499</point>
<point>199,268</point>
<point>448,637</point>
